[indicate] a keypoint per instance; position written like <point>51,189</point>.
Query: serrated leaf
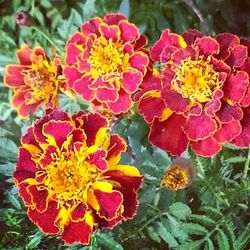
<point>7,169</point>
<point>192,228</point>
<point>15,202</point>
<point>222,240</point>
<point>244,237</point>
<point>34,242</point>
<point>165,235</point>
<point>180,210</point>
<point>209,245</point>
<point>213,211</point>
<point>202,219</point>
<point>194,245</point>
<point>8,149</point>
<point>106,240</point>
<point>153,234</point>
<point>236,159</point>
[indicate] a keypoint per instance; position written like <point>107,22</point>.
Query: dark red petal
<point>76,38</point>
<point>238,56</point>
<point>82,88</point>
<point>125,181</point>
<point>166,39</point>
<point>227,113</point>
<point>166,54</point>
<point>141,42</point>
<point>39,198</point>
<point>98,159</point>
<point>243,140</point>
<point>78,212</point>
<point>214,105</point>
<point>113,18</point>
<point>22,191</point>
<point>109,203</point>
<point>227,41</point>
<point>207,46</point>
<point>220,66</point>
<point>76,232</point>
<point>174,100</point>
<point>183,53</point>
<point>129,32</point>
<point>199,127</point>
<point>151,107</point>
<point>91,26</point>
<point>235,86</point>
<point>116,146</point>
<point>168,135</point>
<point>130,202</point>
<point>58,130</point>
<point>139,61</point>
<point>191,36</point>
<point>91,124</point>
<point>103,223</point>
<point>29,138</point>
<point>228,131</point>
<point>46,220</point>
<point>206,148</point>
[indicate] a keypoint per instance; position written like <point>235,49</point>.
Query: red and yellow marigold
<point>69,176</point>
<point>201,96</point>
<point>106,62</point>
<point>35,81</point>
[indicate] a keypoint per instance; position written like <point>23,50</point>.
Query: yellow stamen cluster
<point>107,59</point>
<point>69,177</point>
<point>42,80</point>
<point>176,177</point>
<point>196,80</point>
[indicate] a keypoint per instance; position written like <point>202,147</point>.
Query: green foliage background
<point>213,213</point>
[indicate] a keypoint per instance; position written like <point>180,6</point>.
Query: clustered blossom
<point>69,176</point>
<point>179,174</point>
<point>106,62</point>
<point>35,81</point>
<point>201,96</point>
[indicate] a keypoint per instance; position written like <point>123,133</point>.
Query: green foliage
<point>212,213</point>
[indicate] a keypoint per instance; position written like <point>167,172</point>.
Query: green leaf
<point>165,235</point>
<point>244,237</point>
<point>7,169</point>
<point>222,240</point>
<point>192,228</point>
<point>106,240</point>
<point>8,149</point>
<point>202,219</point>
<point>15,202</point>
<point>194,245</point>
<point>210,245</point>
<point>236,159</point>
<point>180,210</point>
<point>124,8</point>
<point>153,234</point>
<point>34,242</point>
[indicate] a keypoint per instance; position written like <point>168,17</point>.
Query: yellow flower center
<point>196,80</point>
<point>41,79</point>
<point>107,59</point>
<point>69,177</point>
<point>176,177</point>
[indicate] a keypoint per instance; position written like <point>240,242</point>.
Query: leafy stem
<point>246,165</point>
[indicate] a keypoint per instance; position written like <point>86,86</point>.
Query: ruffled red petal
<point>46,220</point>
<point>139,61</point>
<point>110,32</point>
<point>191,35</point>
<point>39,198</point>
<point>129,32</point>
<point>113,18</point>
<point>78,212</point>
<point>207,46</point>
<point>116,146</point>
<point>131,80</point>
<point>98,159</point>
<point>206,148</point>
<point>237,56</point>
<point>227,113</point>
<point>24,54</point>
<point>168,135</point>
<point>199,127</point>
<point>91,26</point>
<point>72,75</point>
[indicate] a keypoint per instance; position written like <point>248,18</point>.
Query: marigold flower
<point>179,175</point>
<point>106,62</point>
<point>69,176</point>
<point>35,81</point>
<point>201,96</point>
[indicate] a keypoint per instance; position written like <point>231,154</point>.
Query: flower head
<point>106,62</point>
<point>35,81</point>
<point>69,176</point>
<point>179,175</point>
<point>201,95</point>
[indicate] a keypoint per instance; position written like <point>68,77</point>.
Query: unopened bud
<point>23,19</point>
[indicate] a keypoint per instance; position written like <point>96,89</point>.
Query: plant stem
<point>43,34</point>
<point>246,165</point>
